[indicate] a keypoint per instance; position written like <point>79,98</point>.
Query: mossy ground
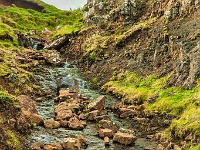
<point>15,77</point>
<point>183,105</point>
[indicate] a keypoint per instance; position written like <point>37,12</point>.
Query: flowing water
<point>63,77</point>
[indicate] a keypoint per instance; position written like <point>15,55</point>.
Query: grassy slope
<point>12,21</point>
<point>182,104</point>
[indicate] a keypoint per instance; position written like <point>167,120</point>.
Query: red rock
<point>106,141</point>
<point>92,115</point>
<point>71,144</point>
<point>124,138</point>
<point>74,123</point>
<point>97,104</point>
<point>64,115</point>
<point>37,119</point>
<point>105,132</point>
<point>54,146</point>
<point>52,124</point>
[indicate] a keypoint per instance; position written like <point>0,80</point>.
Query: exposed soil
<point>22,4</point>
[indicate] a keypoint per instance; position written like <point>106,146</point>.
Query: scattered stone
<point>109,124</point>
<point>64,123</point>
<point>65,114</point>
<point>92,115</point>
<point>37,145</point>
<point>111,90</point>
<point>150,136</point>
<point>82,141</point>
<point>141,108</point>
<point>160,147</point>
<point>98,104</point>
<point>76,124</point>
<point>106,141</point>
<point>126,113</point>
<point>37,119</point>
<point>52,124</point>
<point>65,94</point>
<point>103,117</point>
<point>54,146</point>
<point>124,138</point>
<point>71,144</point>
<point>105,132</point>
<point>189,137</point>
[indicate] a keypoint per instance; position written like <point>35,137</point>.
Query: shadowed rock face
<point>23,4</point>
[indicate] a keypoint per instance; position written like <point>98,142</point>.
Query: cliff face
<point>22,3</point>
<point>145,37</point>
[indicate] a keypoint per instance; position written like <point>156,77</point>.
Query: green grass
<point>184,105</point>
<point>13,140</point>
<point>14,20</point>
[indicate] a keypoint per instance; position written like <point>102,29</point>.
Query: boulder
<point>64,114</point>
<point>97,104</point>
<point>76,124</point>
<point>65,94</point>
<point>82,141</point>
<point>109,124</point>
<point>54,146</point>
<point>126,113</point>
<point>105,132</point>
<point>71,144</point>
<point>92,115</point>
<point>106,141</point>
<point>52,124</point>
<point>61,106</point>
<point>124,138</point>
<point>37,145</point>
<point>27,104</point>
<point>37,119</point>
<point>64,123</point>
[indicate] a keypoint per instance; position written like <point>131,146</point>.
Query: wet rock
<point>71,144</point>
<point>65,94</point>
<point>58,43</point>
<point>27,104</point>
<point>37,119</point>
<point>92,115</point>
<point>98,104</point>
<point>125,112</point>
<point>37,145</point>
<point>109,124</point>
<point>64,115</point>
<point>103,117</point>
<point>160,147</point>
<point>54,146</point>
<point>64,123</point>
<point>105,132</point>
<point>82,141</point>
<point>124,138</point>
<point>75,124</point>
<point>52,124</point>
<point>106,141</point>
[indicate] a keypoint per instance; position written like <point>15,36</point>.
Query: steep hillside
<point>18,64</point>
<point>144,50</point>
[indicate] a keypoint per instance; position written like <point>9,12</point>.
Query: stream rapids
<point>63,77</point>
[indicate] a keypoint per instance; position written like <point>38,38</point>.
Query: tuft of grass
<point>184,105</point>
<point>13,140</point>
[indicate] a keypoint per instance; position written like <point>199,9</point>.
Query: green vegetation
<point>184,105</point>
<point>13,140</point>
<point>6,98</point>
<point>14,20</point>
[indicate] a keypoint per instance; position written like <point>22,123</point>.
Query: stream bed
<point>62,78</point>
